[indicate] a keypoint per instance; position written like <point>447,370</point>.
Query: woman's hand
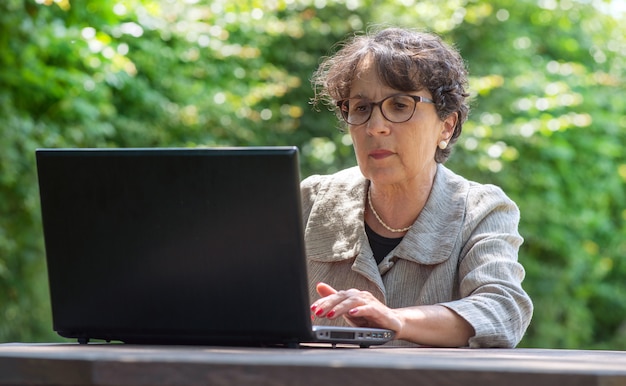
<point>359,308</point>
<point>431,325</point>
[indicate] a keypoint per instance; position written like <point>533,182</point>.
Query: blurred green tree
<point>547,123</point>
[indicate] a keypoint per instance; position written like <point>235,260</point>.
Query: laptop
<point>180,246</point>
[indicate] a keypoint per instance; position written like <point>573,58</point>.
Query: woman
<point>401,242</point>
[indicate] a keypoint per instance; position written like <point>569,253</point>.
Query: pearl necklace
<point>390,229</point>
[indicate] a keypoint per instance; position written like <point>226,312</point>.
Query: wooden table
<point>118,364</point>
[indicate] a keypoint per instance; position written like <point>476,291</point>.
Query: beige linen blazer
<point>461,253</point>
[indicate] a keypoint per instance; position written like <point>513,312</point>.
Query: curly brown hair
<point>406,60</point>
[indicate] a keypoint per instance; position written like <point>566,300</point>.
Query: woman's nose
<point>377,124</point>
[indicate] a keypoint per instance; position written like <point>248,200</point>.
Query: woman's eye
<point>361,108</point>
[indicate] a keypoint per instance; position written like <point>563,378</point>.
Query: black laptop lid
<point>175,245</point>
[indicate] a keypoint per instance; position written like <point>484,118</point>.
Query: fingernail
<point>330,314</point>
<point>353,311</point>
<point>319,312</point>
<point>313,307</point>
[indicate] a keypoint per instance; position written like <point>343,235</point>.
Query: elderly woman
<point>402,242</point>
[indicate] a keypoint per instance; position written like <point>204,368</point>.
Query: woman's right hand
<point>359,308</point>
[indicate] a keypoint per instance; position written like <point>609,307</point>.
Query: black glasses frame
<point>416,98</point>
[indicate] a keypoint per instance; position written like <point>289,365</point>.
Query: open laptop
<point>180,246</point>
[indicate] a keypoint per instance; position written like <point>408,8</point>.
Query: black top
<point>381,246</point>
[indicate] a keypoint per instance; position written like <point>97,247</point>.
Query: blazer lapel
<point>434,234</point>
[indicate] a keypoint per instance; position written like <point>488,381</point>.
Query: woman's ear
<point>448,126</point>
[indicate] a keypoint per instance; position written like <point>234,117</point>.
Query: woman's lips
<point>380,153</point>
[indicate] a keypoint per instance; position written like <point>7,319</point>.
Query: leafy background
<point>548,121</point>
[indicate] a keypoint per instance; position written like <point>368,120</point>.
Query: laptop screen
<point>175,245</point>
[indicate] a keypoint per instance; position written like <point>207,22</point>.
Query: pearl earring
<point>443,145</point>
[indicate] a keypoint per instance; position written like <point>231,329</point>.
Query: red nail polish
<point>319,312</point>
<point>330,314</point>
<point>313,307</point>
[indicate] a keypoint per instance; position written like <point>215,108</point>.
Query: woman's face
<point>396,153</point>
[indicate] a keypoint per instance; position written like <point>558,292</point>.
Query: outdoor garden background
<point>548,120</point>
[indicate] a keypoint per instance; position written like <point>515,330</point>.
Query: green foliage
<point>546,128</point>
<point>547,124</point>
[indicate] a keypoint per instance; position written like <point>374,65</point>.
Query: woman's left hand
<point>359,308</point>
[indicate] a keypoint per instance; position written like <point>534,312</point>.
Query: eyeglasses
<point>395,108</point>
